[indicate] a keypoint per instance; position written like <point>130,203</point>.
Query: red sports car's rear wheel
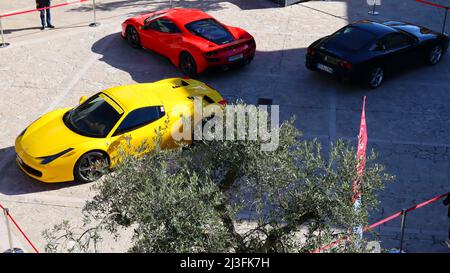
<point>187,64</point>
<point>133,37</point>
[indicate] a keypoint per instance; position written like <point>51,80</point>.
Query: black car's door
<point>398,49</point>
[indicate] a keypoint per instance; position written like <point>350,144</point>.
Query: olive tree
<point>230,196</point>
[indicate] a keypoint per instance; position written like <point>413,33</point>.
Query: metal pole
<point>358,230</point>
<point>373,11</point>
<point>2,44</point>
<point>171,4</point>
<point>403,225</point>
<point>94,24</point>
<point>445,20</point>
<point>6,212</point>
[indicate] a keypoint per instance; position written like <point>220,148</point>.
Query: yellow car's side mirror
<point>82,99</point>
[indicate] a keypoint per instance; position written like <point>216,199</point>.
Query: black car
<point>366,50</point>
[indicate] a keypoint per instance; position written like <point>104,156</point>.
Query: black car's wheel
<point>91,166</point>
<point>187,64</point>
<point>375,77</point>
<point>132,37</point>
<point>435,54</point>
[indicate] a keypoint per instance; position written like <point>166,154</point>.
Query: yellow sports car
<point>82,143</point>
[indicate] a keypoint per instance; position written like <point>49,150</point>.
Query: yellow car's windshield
<point>95,117</point>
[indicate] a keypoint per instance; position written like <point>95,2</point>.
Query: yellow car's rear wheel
<point>91,166</point>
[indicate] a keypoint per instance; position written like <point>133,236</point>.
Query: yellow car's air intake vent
<point>205,98</point>
<point>182,83</point>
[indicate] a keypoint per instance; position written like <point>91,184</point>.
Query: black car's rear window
<point>352,38</point>
<point>211,30</point>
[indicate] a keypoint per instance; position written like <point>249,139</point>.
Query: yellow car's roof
<point>135,96</point>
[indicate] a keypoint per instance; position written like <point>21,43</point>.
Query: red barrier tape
<point>392,217</point>
<point>18,227</point>
<point>39,9</point>
<point>433,4</point>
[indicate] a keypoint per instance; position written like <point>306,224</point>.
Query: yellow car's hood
<point>49,135</point>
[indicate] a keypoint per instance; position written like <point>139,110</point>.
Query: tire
<point>435,54</point>
<point>132,37</point>
<point>187,64</point>
<point>91,166</point>
<point>375,77</point>
<point>247,61</point>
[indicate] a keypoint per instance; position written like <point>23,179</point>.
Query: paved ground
<point>408,117</point>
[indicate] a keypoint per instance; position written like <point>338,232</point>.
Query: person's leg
<point>49,19</point>
<point>42,13</point>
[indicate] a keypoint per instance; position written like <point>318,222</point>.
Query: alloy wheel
<point>188,65</point>
<point>133,37</point>
<point>376,77</point>
<point>92,166</point>
<point>436,54</point>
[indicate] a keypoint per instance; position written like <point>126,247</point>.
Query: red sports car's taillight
<point>211,53</point>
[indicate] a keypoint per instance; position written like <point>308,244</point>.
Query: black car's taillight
<point>346,64</point>
<point>310,51</point>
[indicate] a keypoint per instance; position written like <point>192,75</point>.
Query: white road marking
<point>79,75</point>
<point>36,200</point>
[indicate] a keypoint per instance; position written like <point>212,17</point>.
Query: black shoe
<point>42,28</point>
<point>51,26</point>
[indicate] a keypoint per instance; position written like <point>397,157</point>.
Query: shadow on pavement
<point>147,66</point>
<point>11,30</point>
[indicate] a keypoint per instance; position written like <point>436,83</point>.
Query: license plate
<point>325,68</point>
<point>235,58</point>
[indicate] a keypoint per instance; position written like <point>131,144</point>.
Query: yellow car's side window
<point>140,117</point>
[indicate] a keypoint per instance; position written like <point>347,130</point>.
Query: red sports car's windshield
<point>211,30</point>
<point>94,118</point>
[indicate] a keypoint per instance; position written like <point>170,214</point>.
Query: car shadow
<point>147,66</point>
<point>13,181</point>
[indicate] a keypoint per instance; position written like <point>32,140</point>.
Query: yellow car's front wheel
<point>91,166</point>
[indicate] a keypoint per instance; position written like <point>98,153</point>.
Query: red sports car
<point>190,38</point>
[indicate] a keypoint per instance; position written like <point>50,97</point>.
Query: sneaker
<point>42,28</point>
<point>51,26</point>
